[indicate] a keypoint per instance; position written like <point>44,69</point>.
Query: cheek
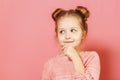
<point>78,40</point>
<point>78,37</point>
<point>60,38</point>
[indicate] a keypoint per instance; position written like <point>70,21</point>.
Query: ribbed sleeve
<point>60,68</point>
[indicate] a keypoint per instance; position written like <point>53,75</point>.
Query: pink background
<point>27,37</point>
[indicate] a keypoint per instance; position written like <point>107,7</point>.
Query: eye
<point>73,30</point>
<point>62,32</point>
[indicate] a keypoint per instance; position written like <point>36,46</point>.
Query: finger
<point>64,46</point>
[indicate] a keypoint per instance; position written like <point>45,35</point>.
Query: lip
<point>68,41</point>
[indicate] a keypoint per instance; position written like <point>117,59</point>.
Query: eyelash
<point>61,32</point>
<point>73,30</point>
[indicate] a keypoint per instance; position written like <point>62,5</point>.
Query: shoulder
<point>91,58</point>
<point>91,55</point>
<point>51,61</point>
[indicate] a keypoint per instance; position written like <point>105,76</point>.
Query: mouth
<point>68,41</point>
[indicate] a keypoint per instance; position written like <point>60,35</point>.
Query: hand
<point>73,55</point>
<point>70,52</point>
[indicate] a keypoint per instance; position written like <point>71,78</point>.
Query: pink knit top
<point>62,68</point>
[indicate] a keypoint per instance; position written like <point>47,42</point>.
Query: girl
<point>72,63</point>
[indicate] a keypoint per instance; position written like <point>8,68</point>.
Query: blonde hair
<point>80,11</point>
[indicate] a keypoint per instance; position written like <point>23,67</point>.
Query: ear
<point>84,34</point>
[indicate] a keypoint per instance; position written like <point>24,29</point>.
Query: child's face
<point>69,31</point>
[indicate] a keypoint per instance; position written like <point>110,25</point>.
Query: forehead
<point>69,21</point>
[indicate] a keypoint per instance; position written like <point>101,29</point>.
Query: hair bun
<point>83,11</point>
<point>56,13</point>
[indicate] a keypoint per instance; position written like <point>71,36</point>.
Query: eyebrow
<point>71,27</point>
<point>60,28</point>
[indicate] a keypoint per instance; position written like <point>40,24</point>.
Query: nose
<point>67,36</point>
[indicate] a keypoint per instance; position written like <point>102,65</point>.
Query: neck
<point>78,49</point>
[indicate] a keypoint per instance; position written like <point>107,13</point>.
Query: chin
<point>71,45</point>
